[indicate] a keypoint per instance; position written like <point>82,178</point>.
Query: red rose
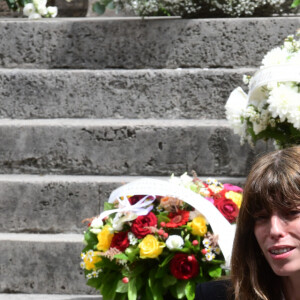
<point>120,241</point>
<point>184,266</point>
<point>178,218</point>
<point>227,208</point>
<point>134,199</point>
<point>140,224</point>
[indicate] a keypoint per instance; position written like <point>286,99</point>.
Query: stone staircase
<point>89,104</point>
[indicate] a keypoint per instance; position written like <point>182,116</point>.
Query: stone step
<point>58,204</point>
<point>42,263</point>
<point>167,93</point>
<point>135,43</point>
<point>122,147</point>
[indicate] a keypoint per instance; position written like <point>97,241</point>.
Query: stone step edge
<point>94,178</point>
<point>133,18</point>
<point>41,238</point>
<point>129,71</point>
<point>47,297</point>
<point>113,122</point>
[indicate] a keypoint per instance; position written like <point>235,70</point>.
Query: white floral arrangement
<point>38,9</point>
<point>196,8</point>
<point>271,109</point>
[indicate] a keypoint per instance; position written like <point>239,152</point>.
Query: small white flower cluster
<point>93,274</point>
<point>89,256</point>
<point>192,7</point>
<point>246,7</point>
<point>37,9</point>
<point>277,103</point>
<point>209,251</point>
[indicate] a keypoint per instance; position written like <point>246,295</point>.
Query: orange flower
<point>178,218</point>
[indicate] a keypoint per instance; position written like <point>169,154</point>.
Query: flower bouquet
<point>271,110</point>
<point>157,239</point>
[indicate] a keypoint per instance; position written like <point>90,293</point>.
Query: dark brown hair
<point>273,183</point>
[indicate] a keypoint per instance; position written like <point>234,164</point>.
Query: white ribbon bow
<point>141,208</point>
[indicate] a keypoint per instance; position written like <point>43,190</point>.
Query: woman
<point>265,262</point>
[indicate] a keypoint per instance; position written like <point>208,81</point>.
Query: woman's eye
<point>294,213</point>
<point>261,217</point>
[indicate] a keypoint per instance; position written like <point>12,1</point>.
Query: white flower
<point>132,239</point>
<point>217,250</point>
<point>42,10</point>
<point>276,56</point>
<point>282,101</point>
<point>206,242</point>
<point>97,223</point>
<point>28,9</point>
<point>34,16</point>
<point>95,230</point>
<point>209,256</point>
<point>37,3</point>
<point>235,107</point>
<point>52,11</point>
<point>121,218</point>
<point>174,242</point>
<point>95,274</point>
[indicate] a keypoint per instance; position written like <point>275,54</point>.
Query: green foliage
<point>215,271</point>
<point>295,3</point>
<point>100,6</point>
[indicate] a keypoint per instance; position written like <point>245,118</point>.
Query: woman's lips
<point>280,252</point>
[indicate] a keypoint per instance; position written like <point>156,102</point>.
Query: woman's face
<point>278,236</point>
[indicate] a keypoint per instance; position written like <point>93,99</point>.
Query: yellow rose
<point>235,197</point>
<point>198,226</point>
<point>91,259</point>
<point>104,238</point>
<point>150,247</point>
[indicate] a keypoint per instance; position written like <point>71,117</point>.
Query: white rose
<point>174,242</point>
<point>42,10</point>
<point>52,11</point>
<point>97,223</point>
<point>95,230</point>
<point>34,16</point>
<point>28,9</point>
<point>37,3</point>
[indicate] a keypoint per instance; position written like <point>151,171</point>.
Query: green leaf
<point>132,252</point>
<point>132,290</point>
<point>180,289</point>
<point>107,206</point>
<point>111,5</point>
<point>190,290</point>
<point>121,256</point>
<point>168,280</point>
<point>139,283</point>
<point>100,10</point>
<point>162,218</point>
<point>157,291</point>
<point>167,260</point>
<point>139,269</point>
<point>215,271</point>
<point>94,282</point>
<point>109,285</point>
<point>90,238</point>
<point>161,272</point>
<point>122,287</point>
<point>295,3</point>
<point>120,297</point>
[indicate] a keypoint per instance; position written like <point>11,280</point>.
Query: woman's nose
<point>277,226</point>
